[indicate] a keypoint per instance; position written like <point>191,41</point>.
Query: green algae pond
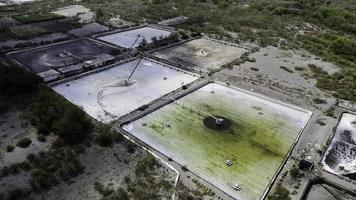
<point>260,134</point>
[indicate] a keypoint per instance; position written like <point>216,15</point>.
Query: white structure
<point>71,69</point>
<point>49,75</point>
<point>101,96</point>
<point>99,61</point>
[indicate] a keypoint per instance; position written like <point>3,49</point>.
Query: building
<point>71,69</point>
<point>49,75</point>
<point>99,61</point>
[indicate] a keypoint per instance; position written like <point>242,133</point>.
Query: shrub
<point>40,179</point>
<point>319,101</point>
<point>17,81</point>
<point>294,172</point>
<point>104,139</point>
<point>102,189</point>
<point>280,193</point>
<point>16,194</point>
<point>41,138</point>
<point>24,142</point>
<point>3,106</point>
<point>146,164</point>
<point>42,130</point>
<point>73,126</point>
<point>131,147</point>
<point>10,148</point>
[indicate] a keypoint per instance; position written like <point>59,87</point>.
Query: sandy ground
<point>101,96</point>
<point>105,165</point>
<point>13,128</point>
<point>294,87</point>
<point>201,53</point>
<point>126,39</point>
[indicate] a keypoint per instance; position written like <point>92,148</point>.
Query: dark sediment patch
<point>351,176</point>
<point>212,123</point>
<point>353,124</point>
<point>346,136</point>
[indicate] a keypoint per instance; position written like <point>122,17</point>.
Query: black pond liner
<point>210,122</point>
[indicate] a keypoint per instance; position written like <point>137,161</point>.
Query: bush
<point>280,193</point>
<point>294,172</point>
<point>10,148</point>
<point>73,126</point>
<point>24,142</point>
<point>53,166</point>
<point>56,114</point>
<point>3,106</point>
<point>130,147</point>
<point>104,139</point>
<point>42,130</point>
<point>40,179</point>
<point>16,194</point>
<point>145,165</point>
<point>102,189</point>
<point>41,138</point>
<point>16,81</point>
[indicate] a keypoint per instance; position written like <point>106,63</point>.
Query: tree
<point>99,13</point>
<point>16,81</point>
<point>73,126</point>
<point>280,193</point>
<point>294,171</point>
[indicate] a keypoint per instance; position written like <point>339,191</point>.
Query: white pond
<point>99,96</point>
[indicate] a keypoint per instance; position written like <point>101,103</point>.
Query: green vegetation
<point>131,147</point>
<point>294,171</point>
<point>319,101</point>
<point>280,193</point>
<point>24,142</point>
<point>14,169</point>
<point>145,186</point>
<point>105,136</point>
<point>340,50</point>
<point>41,138</point>
<point>14,194</point>
<point>158,42</point>
<point>145,165</point>
<point>10,148</point>
<point>56,114</point>
<point>15,81</point>
<point>37,17</point>
<point>49,168</point>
